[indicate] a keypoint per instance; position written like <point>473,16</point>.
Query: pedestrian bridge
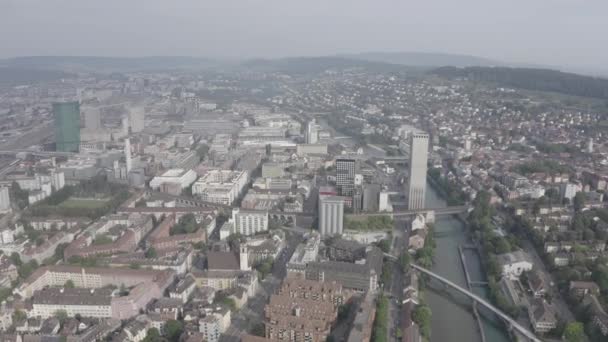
<point>512,323</point>
<point>453,210</point>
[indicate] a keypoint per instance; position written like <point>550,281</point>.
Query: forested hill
<point>532,79</point>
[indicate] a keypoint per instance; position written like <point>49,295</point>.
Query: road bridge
<point>481,301</point>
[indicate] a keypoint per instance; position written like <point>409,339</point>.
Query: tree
<point>61,315</point>
<point>153,336</point>
<point>422,316</point>
<point>574,332</point>
<point>385,245</point>
<point>173,330</point>
<point>16,259</point>
<point>19,315</point>
<point>151,253</point>
<point>579,201</point>
<point>69,284</point>
<point>404,261</point>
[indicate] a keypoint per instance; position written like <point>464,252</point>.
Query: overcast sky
<point>549,32</point>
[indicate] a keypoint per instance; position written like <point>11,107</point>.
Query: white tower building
<point>312,134</point>
<point>5,200</point>
<point>244,258</point>
<point>419,146</point>
<point>128,160</point>
<point>590,145</point>
<point>137,118</point>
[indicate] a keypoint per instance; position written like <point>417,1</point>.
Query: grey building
<point>331,215</point>
<point>419,146</point>
<point>345,176</point>
<point>371,196</point>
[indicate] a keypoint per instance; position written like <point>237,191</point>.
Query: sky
<point>544,32</point>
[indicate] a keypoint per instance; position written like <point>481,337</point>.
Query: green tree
<point>579,201</point>
<point>153,336</point>
<point>19,315</point>
<point>16,259</point>
<point>574,332</point>
<point>173,330</point>
<point>69,284</point>
<point>404,261</point>
<point>151,253</point>
<point>61,315</point>
<point>422,316</point>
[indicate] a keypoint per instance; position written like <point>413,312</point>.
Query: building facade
<point>331,215</point>
<point>67,126</point>
<point>419,145</point>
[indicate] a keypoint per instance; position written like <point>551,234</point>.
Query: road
<point>399,243</point>
<point>252,314</point>
<point>556,298</point>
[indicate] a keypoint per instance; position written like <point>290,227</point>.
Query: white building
<point>137,119</point>
<point>220,186</point>
<point>331,215</point>
<point>92,118</point>
<point>213,325</point>
<point>5,200</point>
<point>514,264</point>
<point>569,190</point>
<point>174,176</point>
<point>312,135</point>
<point>249,222</point>
<point>419,146</point>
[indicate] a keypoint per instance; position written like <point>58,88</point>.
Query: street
<point>252,314</point>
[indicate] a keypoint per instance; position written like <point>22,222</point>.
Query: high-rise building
<point>345,176</point>
<point>137,119</point>
<point>419,145</point>
<point>590,145</point>
<point>128,161</point>
<point>67,126</point>
<point>312,134</point>
<point>331,215</point>
<point>5,200</point>
<point>92,118</point>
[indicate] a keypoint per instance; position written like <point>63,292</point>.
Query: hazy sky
<point>554,32</point>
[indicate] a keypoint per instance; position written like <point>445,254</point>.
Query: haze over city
<point>303,171</point>
<point>561,33</point>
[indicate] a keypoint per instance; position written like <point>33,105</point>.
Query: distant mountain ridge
<point>532,79</point>
<point>424,59</point>
<point>317,64</point>
<point>93,63</point>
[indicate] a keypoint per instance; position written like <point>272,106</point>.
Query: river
<point>452,320</point>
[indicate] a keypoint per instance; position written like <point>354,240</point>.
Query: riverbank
<point>452,320</point>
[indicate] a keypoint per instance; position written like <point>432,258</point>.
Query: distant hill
<point>13,76</point>
<point>423,59</point>
<point>303,65</point>
<point>532,79</point>
<point>108,64</point>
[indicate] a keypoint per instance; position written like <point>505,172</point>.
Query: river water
<point>452,319</point>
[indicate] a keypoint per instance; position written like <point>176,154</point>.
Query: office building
<point>128,161</point>
<point>331,215</point>
<point>249,222</point>
<point>181,177</point>
<point>92,118</point>
<point>312,134</point>
<point>137,119</point>
<point>590,145</point>
<point>5,200</point>
<point>419,145</point>
<point>345,176</point>
<point>220,186</point>
<point>67,126</point>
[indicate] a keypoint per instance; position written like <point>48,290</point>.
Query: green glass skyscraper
<point>67,126</point>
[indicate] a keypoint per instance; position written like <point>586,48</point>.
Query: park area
<point>372,223</point>
<point>83,203</point>
<point>91,198</point>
